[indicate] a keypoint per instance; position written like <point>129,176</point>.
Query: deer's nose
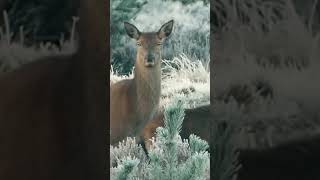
<point>150,58</point>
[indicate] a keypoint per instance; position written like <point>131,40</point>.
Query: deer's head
<point>149,43</point>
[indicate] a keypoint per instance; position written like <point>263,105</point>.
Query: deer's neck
<point>147,86</point>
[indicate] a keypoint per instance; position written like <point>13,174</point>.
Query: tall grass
<point>13,52</point>
<point>269,42</point>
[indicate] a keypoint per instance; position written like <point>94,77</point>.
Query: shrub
<point>170,157</point>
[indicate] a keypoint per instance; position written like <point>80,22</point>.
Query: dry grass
<point>279,50</point>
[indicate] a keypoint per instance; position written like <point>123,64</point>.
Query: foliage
<point>123,171</point>
<point>192,1</point>
<point>169,156</point>
<point>40,18</point>
<point>15,54</point>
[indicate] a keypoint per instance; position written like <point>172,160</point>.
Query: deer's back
<point>34,116</point>
<point>196,121</point>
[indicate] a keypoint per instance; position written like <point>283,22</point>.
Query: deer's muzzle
<point>149,60</point>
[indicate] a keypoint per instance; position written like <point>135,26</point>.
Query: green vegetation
<point>170,157</point>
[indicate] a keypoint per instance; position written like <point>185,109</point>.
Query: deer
<point>133,102</point>
<point>297,158</point>
<point>53,110</point>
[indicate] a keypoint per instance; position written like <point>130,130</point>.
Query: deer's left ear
<point>165,30</point>
<point>132,31</point>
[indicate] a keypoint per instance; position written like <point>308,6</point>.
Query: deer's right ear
<point>165,30</point>
<point>132,31</point>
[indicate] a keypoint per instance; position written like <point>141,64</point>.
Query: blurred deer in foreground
<point>53,110</point>
<point>134,102</point>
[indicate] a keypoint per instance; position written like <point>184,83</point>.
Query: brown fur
<point>189,126</point>
<point>52,111</point>
<point>134,102</point>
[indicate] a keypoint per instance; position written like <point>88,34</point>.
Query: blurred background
<point>266,68</point>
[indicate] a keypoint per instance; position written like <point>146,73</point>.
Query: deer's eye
<point>138,43</point>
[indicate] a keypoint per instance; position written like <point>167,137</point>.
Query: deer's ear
<point>132,31</point>
<point>165,30</point>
